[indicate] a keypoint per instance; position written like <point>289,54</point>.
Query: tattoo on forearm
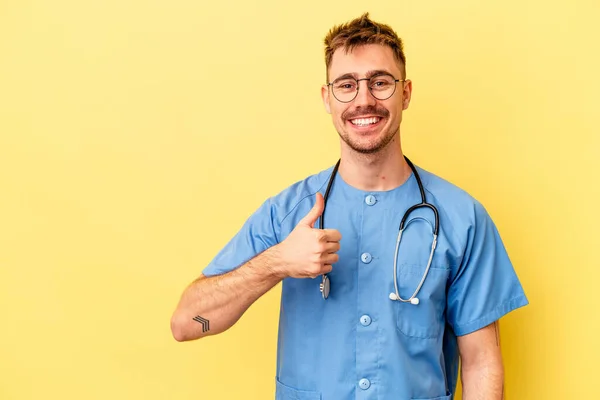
<point>202,321</point>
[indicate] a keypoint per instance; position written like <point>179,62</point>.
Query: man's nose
<point>364,96</point>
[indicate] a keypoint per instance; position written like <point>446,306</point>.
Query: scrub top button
<point>365,320</point>
<point>364,384</point>
<point>366,258</point>
<point>370,200</point>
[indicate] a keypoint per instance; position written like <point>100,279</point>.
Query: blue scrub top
<point>358,344</point>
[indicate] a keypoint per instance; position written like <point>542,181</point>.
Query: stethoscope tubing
<point>413,299</point>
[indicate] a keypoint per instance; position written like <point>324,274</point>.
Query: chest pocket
<point>284,392</point>
<point>426,319</point>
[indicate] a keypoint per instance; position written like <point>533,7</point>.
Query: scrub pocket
<point>426,319</point>
<point>448,397</point>
<point>283,392</point>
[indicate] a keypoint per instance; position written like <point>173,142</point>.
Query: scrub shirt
<point>358,344</point>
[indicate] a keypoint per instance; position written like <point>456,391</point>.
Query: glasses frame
<point>330,84</point>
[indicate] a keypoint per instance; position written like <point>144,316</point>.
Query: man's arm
<point>482,370</point>
<point>211,305</point>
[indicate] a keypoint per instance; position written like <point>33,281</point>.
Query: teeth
<point>365,121</point>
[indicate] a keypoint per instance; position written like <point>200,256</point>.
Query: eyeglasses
<point>381,86</point>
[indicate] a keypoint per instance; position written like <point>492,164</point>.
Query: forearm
<point>482,372</point>
<point>483,380</point>
<point>211,305</point>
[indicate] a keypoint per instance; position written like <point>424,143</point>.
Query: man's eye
<point>345,85</point>
<point>380,84</point>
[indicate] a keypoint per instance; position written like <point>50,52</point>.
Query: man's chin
<point>365,148</point>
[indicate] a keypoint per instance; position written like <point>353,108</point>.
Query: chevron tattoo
<point>202,321</point>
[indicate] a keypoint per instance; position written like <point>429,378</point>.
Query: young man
<point>366,312</point>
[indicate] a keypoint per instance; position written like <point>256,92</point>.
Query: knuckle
<point>315,270</point>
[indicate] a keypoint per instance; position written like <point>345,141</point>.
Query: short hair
<point>362,31</point>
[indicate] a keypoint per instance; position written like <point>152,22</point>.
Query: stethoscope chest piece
<point>324,286</point>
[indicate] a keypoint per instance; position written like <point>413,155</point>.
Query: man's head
<point>366,88</point>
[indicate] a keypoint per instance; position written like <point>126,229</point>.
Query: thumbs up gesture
<point>308,252</point>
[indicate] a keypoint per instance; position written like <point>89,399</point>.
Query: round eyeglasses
<point>382,87</point>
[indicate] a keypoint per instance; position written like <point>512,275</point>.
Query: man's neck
<point>381,171</point>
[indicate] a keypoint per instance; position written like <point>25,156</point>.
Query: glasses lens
<point>345,89</point>
<point>382,86</point>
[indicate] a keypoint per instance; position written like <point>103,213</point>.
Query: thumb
<point>315,212</point>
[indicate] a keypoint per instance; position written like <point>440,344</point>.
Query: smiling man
<point>390,274</point>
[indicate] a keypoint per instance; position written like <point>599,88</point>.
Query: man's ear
<point>325,97</point>
<point>407,94</point>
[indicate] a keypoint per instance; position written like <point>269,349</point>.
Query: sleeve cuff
<point>494,315</point>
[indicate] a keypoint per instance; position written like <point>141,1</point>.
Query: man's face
<point>366,124</point>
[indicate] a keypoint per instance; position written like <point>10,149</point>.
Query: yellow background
<point>137,136</point>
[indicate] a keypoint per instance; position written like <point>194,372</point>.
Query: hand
<point>308,252</point>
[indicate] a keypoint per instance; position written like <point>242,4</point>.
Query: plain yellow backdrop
<point>137,136</point>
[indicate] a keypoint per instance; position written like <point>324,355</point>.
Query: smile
<point>365,121</point>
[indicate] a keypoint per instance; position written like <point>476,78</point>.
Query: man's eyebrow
<point>346,76</point>
<point>376,72</point>
<point>368,75</point>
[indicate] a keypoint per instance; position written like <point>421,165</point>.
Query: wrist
<point>275,264</point>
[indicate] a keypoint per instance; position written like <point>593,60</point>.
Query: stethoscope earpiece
<point>414,301</point>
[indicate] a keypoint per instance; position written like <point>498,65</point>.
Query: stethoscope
<point>325,285</point>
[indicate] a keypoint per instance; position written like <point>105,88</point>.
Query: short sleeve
<point>485,286</point>
<point>257,234</point>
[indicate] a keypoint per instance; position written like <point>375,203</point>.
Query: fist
<point>308,252</point>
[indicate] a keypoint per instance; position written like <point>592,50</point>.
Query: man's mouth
<point>365,121</point>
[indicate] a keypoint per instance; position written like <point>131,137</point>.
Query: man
<point>358,319</point>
